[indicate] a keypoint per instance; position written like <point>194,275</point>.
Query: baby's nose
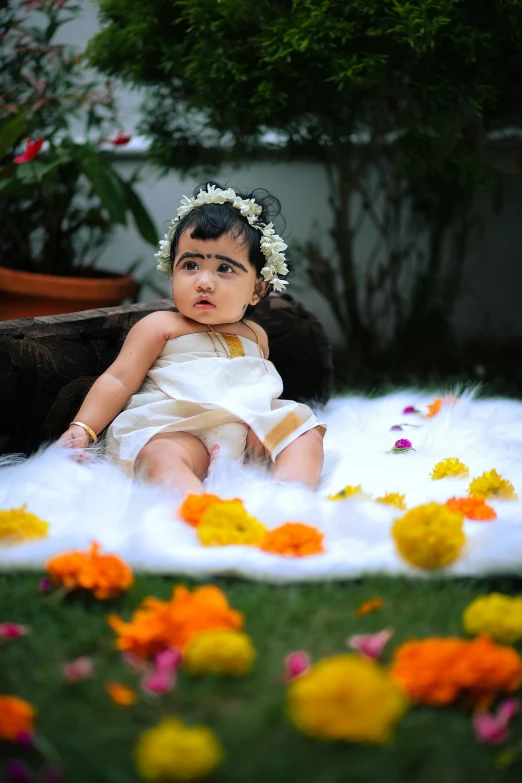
<point>205,279</point>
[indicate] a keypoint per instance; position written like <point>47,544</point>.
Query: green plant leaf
<point>144,222</point>
<point>106,184</point>
<point>10,132</point>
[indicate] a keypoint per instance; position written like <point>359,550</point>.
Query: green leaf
<point>31,171</point>
<point>7,184</point>
<point>144,222</point>
<point>105,183</point>
<point>10,132</point>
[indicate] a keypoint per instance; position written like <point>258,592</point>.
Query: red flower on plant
<point>120,139</point>
<point>32,148</point>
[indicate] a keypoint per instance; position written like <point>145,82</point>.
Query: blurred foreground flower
<point>350,491</point>
<point>16,717</point>
<point>371,605</point>
<point>157,625</point>
<point>294,539</point>
<point>499,616</point>
<point>472,508</point>
<point>429,536</point>
<point>348,698</point>
<point>121,694</point>
<point>32,148</point>
<point>80,669</point>
<point>172,751</point>
<point>229,523</point>
<point>194,506</point>
<point>105,576</point>
<point>451,467</point>
<point>492,485</point>
<point>10,631</point>
<point>18,524</point>
<point>223,652</point>
<point>440,670</point>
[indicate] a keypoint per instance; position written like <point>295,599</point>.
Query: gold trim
<point>234,345</point>
<point>282,430</point>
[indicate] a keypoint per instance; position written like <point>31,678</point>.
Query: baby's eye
<point>226,268</point>
<point>190,265</point>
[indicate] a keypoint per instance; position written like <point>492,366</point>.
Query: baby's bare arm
<point>113,389</point>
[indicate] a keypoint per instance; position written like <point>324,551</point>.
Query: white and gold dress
<point>215,386</point>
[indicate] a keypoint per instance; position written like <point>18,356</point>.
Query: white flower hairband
<point>272,246</point>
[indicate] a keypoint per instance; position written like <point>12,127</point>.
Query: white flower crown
<point>272,246</point>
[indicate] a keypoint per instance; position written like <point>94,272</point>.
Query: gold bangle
<point>86,428</point>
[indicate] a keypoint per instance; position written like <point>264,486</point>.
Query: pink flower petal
<point>489,729</point>
<point>10,631</point>
<point>80,669</point>
<point>370,645</point>
<point>402,443</point>
<point>410,409</point>
<point>134,662</point>
<point>296,663</point>
<point>158,681</point>
<point>168,660</point>
<point>395,428</point>
<point>507,710</point>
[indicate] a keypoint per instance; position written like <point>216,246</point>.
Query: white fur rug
<point>94,500</point>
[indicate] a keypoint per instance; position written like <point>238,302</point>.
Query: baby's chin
<point>213,317</point>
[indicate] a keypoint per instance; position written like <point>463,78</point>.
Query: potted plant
<point>60,196</point>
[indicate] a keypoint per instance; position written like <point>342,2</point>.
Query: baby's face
<point>213,281</point>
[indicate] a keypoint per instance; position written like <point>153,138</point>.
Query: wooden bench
<point>48,364</point>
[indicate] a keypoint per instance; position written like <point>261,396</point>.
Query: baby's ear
<point>260,289</point>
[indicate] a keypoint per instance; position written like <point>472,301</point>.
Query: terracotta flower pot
<point>28,294</point>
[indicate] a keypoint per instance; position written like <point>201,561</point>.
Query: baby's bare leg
<point>177,459</point>
<point>302,460</point>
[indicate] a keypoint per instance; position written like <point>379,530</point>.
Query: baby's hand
<point>74,438</point>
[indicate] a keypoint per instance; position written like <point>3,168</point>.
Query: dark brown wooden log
<point>48,364</point>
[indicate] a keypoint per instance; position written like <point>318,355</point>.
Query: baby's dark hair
<point>211,221</point>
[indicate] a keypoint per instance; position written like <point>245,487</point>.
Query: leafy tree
<point>396,99</point>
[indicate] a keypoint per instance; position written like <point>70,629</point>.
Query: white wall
<point>489,303</point>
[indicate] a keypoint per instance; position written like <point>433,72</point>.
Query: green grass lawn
<point>95,738</point>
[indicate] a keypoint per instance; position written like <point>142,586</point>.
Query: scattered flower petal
<point>369,606</point>
<point>158,681</point>
<point>393,499</point>
<point>410,409</point>
<point>119,139</point>
<point>370,645</point>
<point>493,729</point>
<point>296,663</point>
<point>121,694</point>
<point>350,491</point>
<point>45,585</point>
<point>18,525</point>
<point>80,669</point>
<point>401,446</point>
<point>396,428</point>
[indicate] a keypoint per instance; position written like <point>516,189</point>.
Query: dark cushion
<point>48,364</point>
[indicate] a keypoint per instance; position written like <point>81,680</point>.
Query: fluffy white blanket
<point>93,500</point>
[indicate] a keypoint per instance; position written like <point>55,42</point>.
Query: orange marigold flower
<point>121,694</point>
<point>104,575</point>
<point>370,606</point>
<point>194,506</point>
<point>294,539</point>
<point>157,624</point>
<point>438,671</point>
<point>436,405</point>
<point>472,508</point>
<point>16,716</point>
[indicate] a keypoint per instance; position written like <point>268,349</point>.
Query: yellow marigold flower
<point>346,697</point>
<point>219,652</point>
<point>173,751</point>
<point>451,467</point>
<point>228,523</point>
<point>393,499</point>
<point>499,616</point>
<point>18,524</point>
<point>429,536</point>
<point>492,485</point>
<point>349,492</point>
